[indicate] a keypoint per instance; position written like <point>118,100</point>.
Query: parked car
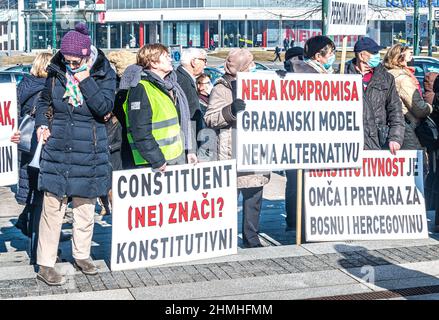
<point>213,73</point>
<point>11,76</point>
<point>20,68</point>
<point>259,67</point>
<point>424,65</point>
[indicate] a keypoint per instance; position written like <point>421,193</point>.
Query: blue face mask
<point>330,62</point>
<point>374,60</point>
<point>80,69</point>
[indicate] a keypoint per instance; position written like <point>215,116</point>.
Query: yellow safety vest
<point>165,125</point>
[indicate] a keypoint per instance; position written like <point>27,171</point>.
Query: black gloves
<point>238,105</point>
<point>281,73</point>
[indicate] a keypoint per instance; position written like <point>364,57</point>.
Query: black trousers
<point>251,209</point>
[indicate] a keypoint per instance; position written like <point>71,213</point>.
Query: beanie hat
<point>237,60</point>
<point>77,42</point>
<point>293,52</point>
<point>315,44</point>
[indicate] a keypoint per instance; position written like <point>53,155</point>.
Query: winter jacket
<point>189,87</point>
<point>414,108</point>
<point>75,159</point>
<point>219,117</point>
<point>382,108</point>
<point>27,92</point>
<point>429,88</point>
<point>140,119</point>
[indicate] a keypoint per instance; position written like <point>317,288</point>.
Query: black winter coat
<point>75,159</point>
<point>27,92</point>
<point>190,89</point>
<point>382,107</point>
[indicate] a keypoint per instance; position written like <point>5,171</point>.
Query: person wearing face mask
<point>319,56</point>
<point>204,88</point>
<point>383,119</point>
<point>414,108</point>
<point>75,159</point>
<point>221,116</point>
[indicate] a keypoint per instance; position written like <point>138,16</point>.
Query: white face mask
<point>209,88</point>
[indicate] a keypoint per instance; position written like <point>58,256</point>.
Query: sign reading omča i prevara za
<point>301,121</point>
<point>383,199</point>
<point>347,17</point>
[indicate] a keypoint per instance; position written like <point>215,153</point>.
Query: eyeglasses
<point>73,63</point>
<point>202,59</point>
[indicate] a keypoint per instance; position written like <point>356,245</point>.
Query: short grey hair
<point>191,53</point>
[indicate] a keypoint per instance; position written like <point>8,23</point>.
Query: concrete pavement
<point>280,270</point>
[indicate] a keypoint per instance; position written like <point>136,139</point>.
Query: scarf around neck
<point>73,92</point>
<point>318,67</point>
<point>170,83</point>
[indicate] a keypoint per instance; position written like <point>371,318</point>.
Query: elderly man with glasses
<point>193,62</point>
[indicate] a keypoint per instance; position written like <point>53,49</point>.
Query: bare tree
<point>313,7</point>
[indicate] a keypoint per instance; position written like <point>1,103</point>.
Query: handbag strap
<point>34,107</point>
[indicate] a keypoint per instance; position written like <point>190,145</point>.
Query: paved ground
<point>280,270</point>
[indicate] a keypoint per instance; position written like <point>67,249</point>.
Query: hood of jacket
<point>29,86</point>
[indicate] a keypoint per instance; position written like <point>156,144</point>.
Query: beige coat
<point>219,117</point>
<point>414,107</point>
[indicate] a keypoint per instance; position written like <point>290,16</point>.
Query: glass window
<point>419,70</point>
<point>432,67</point>
<point>5,78</point>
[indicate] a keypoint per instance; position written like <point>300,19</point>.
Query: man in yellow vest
<point>157,112</point>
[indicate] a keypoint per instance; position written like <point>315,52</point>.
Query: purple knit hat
<point>77,42</point>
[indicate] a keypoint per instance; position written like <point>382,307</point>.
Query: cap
<point>367,44</point>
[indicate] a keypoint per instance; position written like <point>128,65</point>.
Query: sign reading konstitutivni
<point>384,199</point>
<point>301,121</point>
<point>185,213</point>
<point>8,125</point>
<point>347,17</point>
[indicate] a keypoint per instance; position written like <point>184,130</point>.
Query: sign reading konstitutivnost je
<point>8,125</point>
<point>185,213</point>
<point>384,199</point>
<point>347,17</point>
<point>300,121</point>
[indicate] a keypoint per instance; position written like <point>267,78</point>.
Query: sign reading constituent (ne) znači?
<point>300,121</point>
<point>8,125</point>
<point>384,199</point>
<point>185,213</point>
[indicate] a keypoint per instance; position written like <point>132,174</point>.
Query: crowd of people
<point>97,114</point>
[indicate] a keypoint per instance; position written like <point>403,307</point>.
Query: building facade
<point>197,23</point>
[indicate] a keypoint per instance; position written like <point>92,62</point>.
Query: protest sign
<point>301,121</point>
<point>347,17</point>
<point>186,213</point>
<point>8,125</point>
<point>384,199</point>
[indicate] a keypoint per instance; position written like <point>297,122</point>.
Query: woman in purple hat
<point>75,163</point>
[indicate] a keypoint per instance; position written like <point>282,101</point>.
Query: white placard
<point>301,121</point>
<point>347,17</point>
<point>8,125</point>
<point>382,200</point>
<point>184,214</point>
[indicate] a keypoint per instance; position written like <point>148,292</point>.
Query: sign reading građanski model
<point>384,199</point>
<point>185,213</point>
<point>347,17</point>
<point>300,121</point>
<point>8,125</point>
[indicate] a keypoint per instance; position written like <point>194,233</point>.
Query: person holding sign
<point>75,159</point>
<point>157,111</point>
<point>414,108</point>
<point>221,115</point>
<point>382,112</point>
